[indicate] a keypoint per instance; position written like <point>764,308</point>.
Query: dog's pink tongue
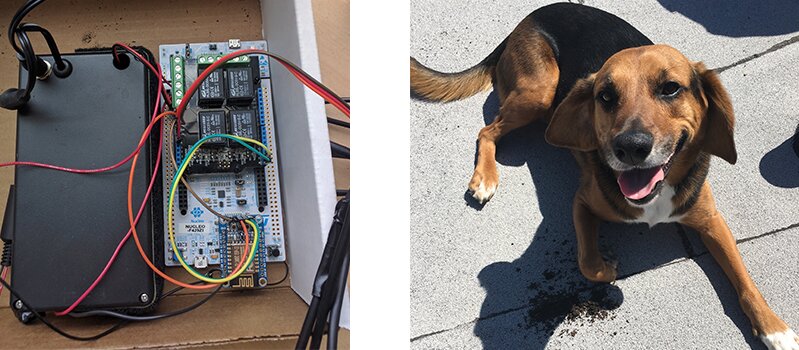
<point>637,184</point>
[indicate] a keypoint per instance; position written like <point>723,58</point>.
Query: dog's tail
<point>436,86</point>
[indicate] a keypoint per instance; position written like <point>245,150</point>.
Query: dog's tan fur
<point>525,74</point>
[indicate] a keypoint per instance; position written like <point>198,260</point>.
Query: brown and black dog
<point>641,120</point>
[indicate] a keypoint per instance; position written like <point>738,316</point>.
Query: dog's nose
<point>632,147</point>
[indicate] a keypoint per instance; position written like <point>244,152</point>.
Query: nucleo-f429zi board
<point>223,176</point>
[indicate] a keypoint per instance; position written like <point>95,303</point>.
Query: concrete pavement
<point>505,276</point>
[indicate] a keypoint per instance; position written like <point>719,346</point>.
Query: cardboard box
<point>269,318</point>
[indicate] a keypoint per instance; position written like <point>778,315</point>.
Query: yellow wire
<point>172,233</point>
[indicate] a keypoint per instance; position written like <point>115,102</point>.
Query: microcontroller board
<point>235,99</point>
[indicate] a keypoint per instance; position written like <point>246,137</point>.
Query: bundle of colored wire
<point>181,170</point>
<point>238,269</point>
<point>144,254</point>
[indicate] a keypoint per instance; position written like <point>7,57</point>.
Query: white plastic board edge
<point>308,185</point>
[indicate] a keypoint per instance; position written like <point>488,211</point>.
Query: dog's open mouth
<point>640,186</point>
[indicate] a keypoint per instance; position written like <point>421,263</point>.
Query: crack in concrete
<point>786,228</point>
<point>686,244</point>
<point>776,47</point>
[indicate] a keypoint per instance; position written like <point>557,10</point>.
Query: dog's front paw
<point>599,271</point>
<point>483,185</point>
<point>787,340</point>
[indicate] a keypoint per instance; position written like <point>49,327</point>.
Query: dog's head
<point>640,111</point>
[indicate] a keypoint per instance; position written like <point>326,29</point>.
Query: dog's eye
<point>670,89</point>
<point>606,97</point>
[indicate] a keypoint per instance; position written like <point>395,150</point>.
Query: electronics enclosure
<point>66,226</point>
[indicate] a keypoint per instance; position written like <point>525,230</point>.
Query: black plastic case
<point>66,226</point>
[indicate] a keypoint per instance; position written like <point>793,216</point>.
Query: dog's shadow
<point>780,166</point>
<point>528,298</point>
<point>739,18</point>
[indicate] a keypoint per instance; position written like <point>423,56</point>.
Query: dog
<point>641,120</point>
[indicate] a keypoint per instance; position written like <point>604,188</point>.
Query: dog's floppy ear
<point>719,117</point>
<point>572,124</point>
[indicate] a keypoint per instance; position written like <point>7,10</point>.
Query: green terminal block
<point>178,79</point>
<point>206,59</point>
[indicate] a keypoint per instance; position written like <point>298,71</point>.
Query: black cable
<point>286,275</point>
<point>307,325</point>
<point>328,293</point>
<point>322,274</point>
<point>168,314</point>
<point>309,77</point>
<point>339,151</point>
<point>335,311</point>
<point>147,318</point>
<point>15,21</point>
<point>153,317</point>
<point>338,122</point>
<point>47,323</point>
<point>30,27</point>
<point>345,99</point>
<point>29,59</point>
<point>341,285</point>
<point>35,66</point>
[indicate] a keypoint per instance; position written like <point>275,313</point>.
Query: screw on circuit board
<point>144,298</point>
<point>18,304</point>
<point>262,282</point>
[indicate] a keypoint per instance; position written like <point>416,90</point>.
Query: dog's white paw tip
<point>787,340</point>
<point>484,193</point>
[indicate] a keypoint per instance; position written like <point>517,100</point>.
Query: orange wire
<point>141,249</point>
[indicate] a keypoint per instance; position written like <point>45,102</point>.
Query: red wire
<point>155,119</point>
<point>310,84</point>
<point>130,231</point>
<point>157,72</point>
<point>5,273</point>
<point>307,82</point>
<point>123,161</point>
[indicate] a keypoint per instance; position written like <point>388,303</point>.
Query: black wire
<point>335,311</point>
<point>15,21</point>
<point>338,122</point>
<point>307,325</point>
<point>309,77</point>
<point>339,151</point>
<point>47,323</point>
<point>345,99</point>
<point>163,78</point>
<point>286,275</point>
<point>153,317</point>
<point>146,318</point>
<point>329,292</point>
<point>168,314</point>
<point>322,274</point>
<point>30,27</point>
<point>30,62</point>
<point>25,52</point>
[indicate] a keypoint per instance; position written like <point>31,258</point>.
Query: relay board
<point>234,99</point>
